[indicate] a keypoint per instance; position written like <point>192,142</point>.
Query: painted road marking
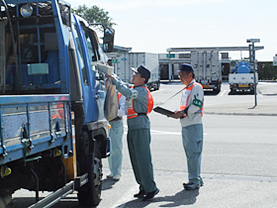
<point>159,132</point>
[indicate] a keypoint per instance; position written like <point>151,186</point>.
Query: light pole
<point>253,62</point>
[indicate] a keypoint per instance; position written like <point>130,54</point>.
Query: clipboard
<point>163,111</point>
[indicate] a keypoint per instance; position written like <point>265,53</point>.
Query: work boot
<point>150,195</point>
<point>140,194</point>
<point>192,186</point>
<point>117,177</point>
<point>110,175</point>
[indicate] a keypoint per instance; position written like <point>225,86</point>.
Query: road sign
<point>115,61</point>
<point>170,55</point>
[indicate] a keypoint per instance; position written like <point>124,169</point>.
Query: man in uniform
<point>116,134</point>
<point>138,136</point>
<point>191,112</point>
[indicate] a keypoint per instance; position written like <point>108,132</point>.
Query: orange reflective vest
<point>118,96</point>
<point>132,113</point>
<point>185,99</point>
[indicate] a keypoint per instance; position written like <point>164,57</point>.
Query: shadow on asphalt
<point>181,198</point>
<point>241,93</point>
<point>210,93</point>
<point>108,183</point>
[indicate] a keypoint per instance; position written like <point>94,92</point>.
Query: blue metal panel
<point>16,152</point>
<point>24,99</point>
<point>27,106</point>
<point>89,100</point>
<point>63,40</point>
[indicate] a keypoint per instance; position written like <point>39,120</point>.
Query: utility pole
<point>253,63</point>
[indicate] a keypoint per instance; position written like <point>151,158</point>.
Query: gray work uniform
<point>192,131</point>
<point>116,134</point>
<point>138,136</point>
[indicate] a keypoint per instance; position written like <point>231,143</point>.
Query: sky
<point>155,25</point>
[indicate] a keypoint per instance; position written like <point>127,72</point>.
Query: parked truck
<point>207,69</point>
<point>124,61</point>
<point>53,131</point>
<point>241,77</point>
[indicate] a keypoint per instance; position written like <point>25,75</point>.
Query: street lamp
<point>253,63</point>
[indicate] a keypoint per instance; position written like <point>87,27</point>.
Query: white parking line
<point>222,93</point>
<point>159,132</point>
<point>165,132</point>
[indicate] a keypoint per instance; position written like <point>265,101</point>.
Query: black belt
<point>117,118</point>
<point>141,114</point>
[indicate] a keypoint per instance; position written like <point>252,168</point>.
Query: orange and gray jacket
<point>192,102</point>
<point>138,97</point>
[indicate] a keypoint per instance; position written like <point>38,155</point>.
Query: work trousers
<point>115,158</point>
<point>193,145</point>
<point>139,150</point>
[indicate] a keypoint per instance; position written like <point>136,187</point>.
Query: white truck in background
<point>241,77</point>
<point>123,62</point>
<point>207,69</point>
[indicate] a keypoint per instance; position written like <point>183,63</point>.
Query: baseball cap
<point>186,67</point>
<point>143,71</point>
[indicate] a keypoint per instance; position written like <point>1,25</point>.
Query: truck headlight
<point>26,10</point>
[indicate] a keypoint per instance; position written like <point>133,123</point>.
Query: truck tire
<point>158,85</point>
<point>89,194</point>
<point>216,91</point>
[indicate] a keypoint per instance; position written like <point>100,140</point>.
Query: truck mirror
<point>108,41</point>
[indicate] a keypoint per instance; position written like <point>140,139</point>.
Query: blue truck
<point>53,131</point>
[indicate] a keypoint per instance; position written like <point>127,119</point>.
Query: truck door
<point>96,56</point>
<point>87,77</point>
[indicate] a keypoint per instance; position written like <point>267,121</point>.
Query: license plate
<point>206,86</point>
<point>243,85</point>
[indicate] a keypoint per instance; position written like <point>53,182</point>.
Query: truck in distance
<point>126,60</point>
<point>207,69</point>
<point>241,77</point>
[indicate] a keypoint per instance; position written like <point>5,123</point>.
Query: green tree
<point>94,14</point>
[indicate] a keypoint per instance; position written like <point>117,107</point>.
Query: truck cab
<point>53,128</point>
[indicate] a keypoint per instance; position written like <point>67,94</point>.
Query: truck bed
<point>33,123</point>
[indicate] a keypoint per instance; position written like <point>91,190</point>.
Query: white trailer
<point>124,61</point>
<point>207,68</point>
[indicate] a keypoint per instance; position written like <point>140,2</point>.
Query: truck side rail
<point>34,123</point>
<point>61,193</point>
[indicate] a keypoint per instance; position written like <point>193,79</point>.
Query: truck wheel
<point>158,85</point>
<point>90,193</point>
<point>216,91</point>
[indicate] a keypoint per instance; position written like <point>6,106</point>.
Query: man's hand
<point>110,76</point>
<point>178,114</point>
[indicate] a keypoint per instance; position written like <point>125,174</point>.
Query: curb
<point>240,114</point>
